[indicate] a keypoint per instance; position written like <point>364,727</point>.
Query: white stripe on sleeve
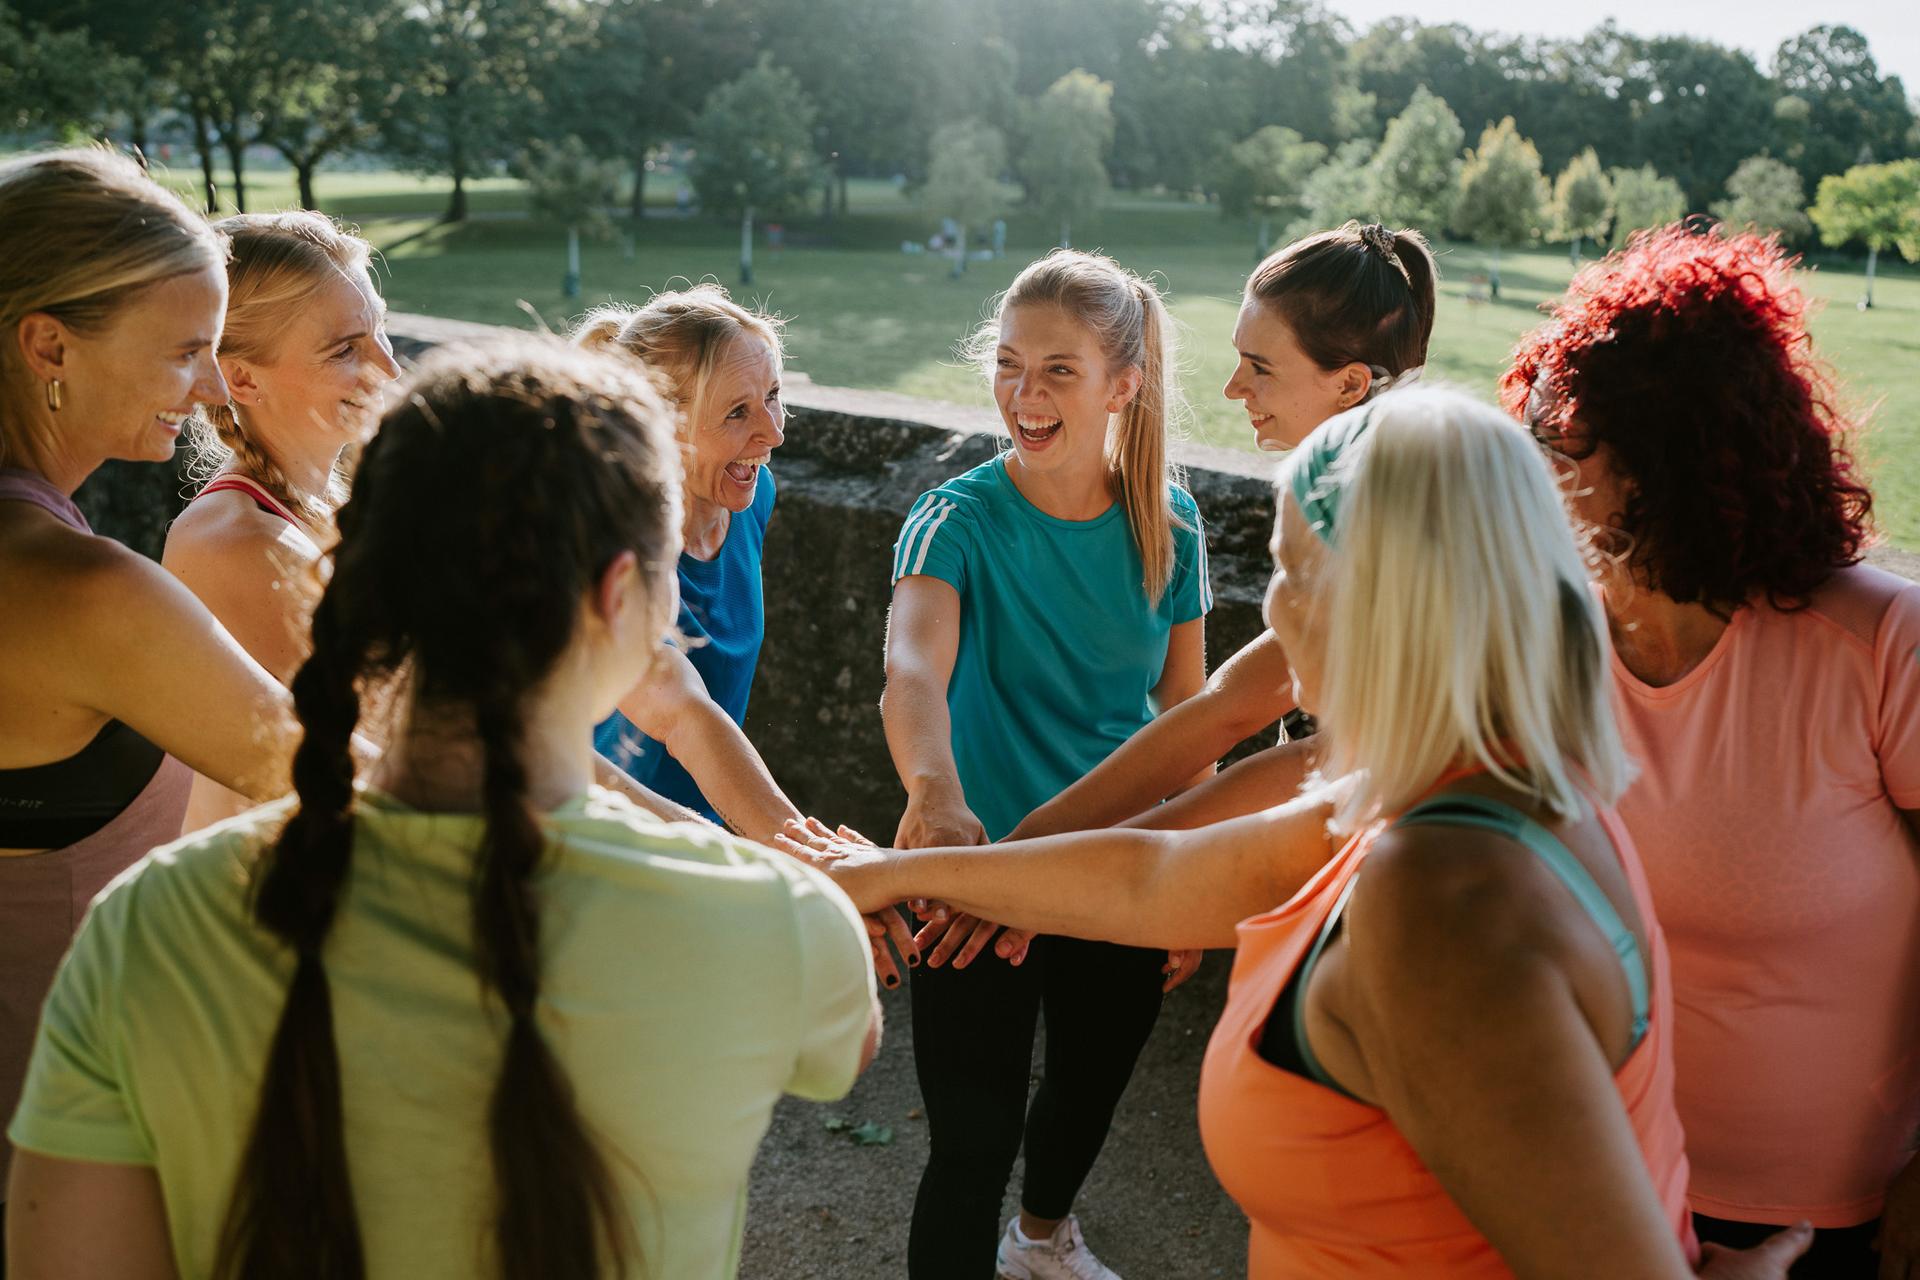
<point>926,541</point>
<point>925,516</point>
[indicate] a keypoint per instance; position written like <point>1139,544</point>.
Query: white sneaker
<point>1063,1257</point>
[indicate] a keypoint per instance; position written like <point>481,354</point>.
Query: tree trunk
<point>1573,252</point>
<point>203,142</point>
<point>137,124</point>
<point>639,209</point>
<point>1066,233</point>
<point>746,246</point>
<point>960,258</point>
<point>843,193</point>
<point>1493,281</point>
<point>457,206</point>
<point>1873,258</point>
<point>570,287</point>
<point>1266,232</point>
<point>236,149</point>
<point>303,170</point>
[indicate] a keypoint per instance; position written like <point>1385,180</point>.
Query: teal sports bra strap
<point>1493,815</point>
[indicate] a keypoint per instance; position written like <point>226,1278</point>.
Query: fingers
<point>818,858</point>
<point>1180,966</point>
<point>848,833</point>
<point>982,935</point>
<point>1013,945</point>
<point>883,966</point>
<point>896,929</point>
<point>955,937</point>
<point>930,933</point>
<point>1782,1247</point>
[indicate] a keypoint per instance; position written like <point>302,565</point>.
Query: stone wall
<point>852,464</point>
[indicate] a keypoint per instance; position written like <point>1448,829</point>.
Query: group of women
<point>1583,932</point>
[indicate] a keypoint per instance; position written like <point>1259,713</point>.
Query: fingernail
<point>892,980</point>
<point>913,962</point>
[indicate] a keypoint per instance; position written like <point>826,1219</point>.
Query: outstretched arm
<point>1250,691</point>
<point>923,642</point>
<point>1262,780</point>
<point>671,706</point>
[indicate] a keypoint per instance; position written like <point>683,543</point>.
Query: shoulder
<point>227,532</point>
<point>204,878</point>
<point>1865,602</point>
<point>80,579</point>
<point>1184,507</point>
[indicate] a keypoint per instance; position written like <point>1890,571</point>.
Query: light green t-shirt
<point>688,980</point>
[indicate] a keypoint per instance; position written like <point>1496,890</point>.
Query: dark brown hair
<point>496,492</point>
<point>1361,294</point>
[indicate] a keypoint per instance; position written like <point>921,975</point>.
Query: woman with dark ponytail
<point>477,999</point>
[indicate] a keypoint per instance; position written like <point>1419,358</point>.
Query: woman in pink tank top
<point>1446,1054</point>
<point>303,355</point>
<point>113,678</point>
<point>1769,686</point>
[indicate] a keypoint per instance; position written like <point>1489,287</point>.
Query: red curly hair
<point>1687,357</point>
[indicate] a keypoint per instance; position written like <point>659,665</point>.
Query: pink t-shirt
<point>1767,815</point>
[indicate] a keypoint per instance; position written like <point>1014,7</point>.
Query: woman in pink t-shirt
<point>1769,686</point>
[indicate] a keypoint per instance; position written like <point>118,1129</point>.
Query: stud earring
<point>56,395</point>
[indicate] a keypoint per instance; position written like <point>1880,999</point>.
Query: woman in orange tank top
<point>1446,1054</point>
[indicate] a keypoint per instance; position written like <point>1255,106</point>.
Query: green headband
<point>1313,475</point>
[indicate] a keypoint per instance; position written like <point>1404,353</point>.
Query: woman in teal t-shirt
<point>471,1022</point>
<point>1047,604</point>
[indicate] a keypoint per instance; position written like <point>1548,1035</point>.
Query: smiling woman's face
<point>742,423</point>
<point>1286,394</point>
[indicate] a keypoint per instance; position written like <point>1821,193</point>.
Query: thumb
<point>1782,1247</point>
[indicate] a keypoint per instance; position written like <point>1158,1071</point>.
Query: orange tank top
<point>1329,1184</point>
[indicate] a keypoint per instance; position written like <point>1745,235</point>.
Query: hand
<point>845,850</point>
<point>937,817</point>
<point>1899,1239</point>
<point>1767,1260</point>
<point>1180,966</point>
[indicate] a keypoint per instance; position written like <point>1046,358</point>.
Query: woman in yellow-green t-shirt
<point>476,1018</point>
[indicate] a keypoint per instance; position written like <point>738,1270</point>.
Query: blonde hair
<point>1129,320</point>
<point>683,336</point>
<point>1460,626</point>
<point>87,231</point>
<point>280,261</point>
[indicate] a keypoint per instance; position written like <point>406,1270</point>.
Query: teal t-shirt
<point>1060,648</point>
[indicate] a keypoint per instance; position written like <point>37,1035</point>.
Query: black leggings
<point>973,1050</point>
<point>1837,1253</point>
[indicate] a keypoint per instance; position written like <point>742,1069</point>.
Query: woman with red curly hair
<point>1769,686</point>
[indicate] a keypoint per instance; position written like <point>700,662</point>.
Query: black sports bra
<point>50,806</point>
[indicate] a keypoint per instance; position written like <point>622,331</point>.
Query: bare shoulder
<point>1453,894</point>
<point>225,531</point>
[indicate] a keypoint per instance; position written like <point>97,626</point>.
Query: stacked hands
<point>862,869</point>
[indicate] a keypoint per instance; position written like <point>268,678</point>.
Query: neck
<point>1659,639</point>
<point>49,454</point>
<point>306,462</point>
<point>1070,494</point>
<point>435,762</point>
<point>704,527</point>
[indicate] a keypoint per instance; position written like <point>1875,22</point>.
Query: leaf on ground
<point>836,1124</point>
<point>873,1135</point>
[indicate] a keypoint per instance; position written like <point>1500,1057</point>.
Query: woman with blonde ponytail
<point>304,354</point>
<point>1046,604</point>
<point>467,1019</point>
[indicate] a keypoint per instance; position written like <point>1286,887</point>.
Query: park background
<point>518,161</point>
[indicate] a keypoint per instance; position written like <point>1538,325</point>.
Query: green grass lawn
<point>864,314</point>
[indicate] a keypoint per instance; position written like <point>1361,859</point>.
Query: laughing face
<point>742,423</point>
<point>1054,389</point>
<point>327,366</point>
<point>1285,392</point>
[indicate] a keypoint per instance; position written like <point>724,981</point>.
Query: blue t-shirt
<point>1060,647</point>
<point>724,619</point>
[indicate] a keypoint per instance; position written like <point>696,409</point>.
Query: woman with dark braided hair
<point>477,1000</point>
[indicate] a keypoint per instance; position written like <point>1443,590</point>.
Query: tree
<point>56,77</point>
<point>1875,203</point>
<point>1063,159</point>
<point>1643,198</point>
<point>1502,193</point>
<point>963,179</point>
<point>1706,108</point>
<point>1582,201</point>
<point>753,149</point>
<point>1765,194</point>
<point>569,185</point>
<point>1417,168</point>
<point>1264,175</point>
<point>1341,189</point>
<point>466,78</point>
<point>1853,113</point>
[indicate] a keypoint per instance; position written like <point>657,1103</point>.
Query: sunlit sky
<point>1892,27</point>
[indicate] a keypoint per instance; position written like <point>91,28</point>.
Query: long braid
<point>292,1216</point>
<point>545,1230</point>
<point>217,437</point>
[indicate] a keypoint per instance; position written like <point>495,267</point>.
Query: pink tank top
<point>237,483</point>
<point>43,895</point>
<point>1330,1185</point>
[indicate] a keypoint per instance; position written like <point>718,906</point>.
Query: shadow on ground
<point>824,1207</point>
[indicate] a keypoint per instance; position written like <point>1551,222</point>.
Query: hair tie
<point>1380,240</point>
<point>1384,382</point>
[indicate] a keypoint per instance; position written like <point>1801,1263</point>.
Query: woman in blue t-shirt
<point>1047,604</point>
<point>680,733</point>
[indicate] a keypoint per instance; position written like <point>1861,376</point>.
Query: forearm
<point>729,772</point>
<point>1262,780</point>
<point>613,778</point>
<point>919,729</point>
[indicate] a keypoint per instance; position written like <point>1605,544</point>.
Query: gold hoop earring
<point>56,395</point>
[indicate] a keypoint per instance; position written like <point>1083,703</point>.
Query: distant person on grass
<point>1330,321</point>
<point>1047,604</point>
<point>1769,686</point>
<point>116,684</point>
<point>303,354</point>
<point>469,1019</point>
<point>680,732</point>
<point>1447,1050</point>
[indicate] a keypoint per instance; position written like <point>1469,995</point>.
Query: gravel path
<point>825,1207</point>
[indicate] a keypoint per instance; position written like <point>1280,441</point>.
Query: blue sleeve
<point>1190,590</point>
<point>935,540</point>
